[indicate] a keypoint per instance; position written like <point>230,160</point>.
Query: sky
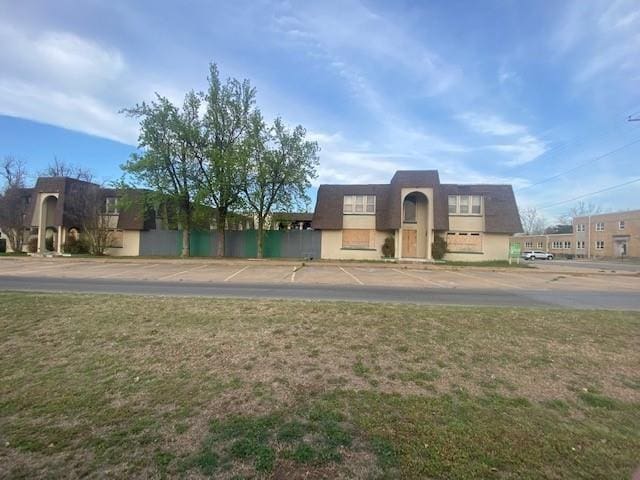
<point>485,92</point>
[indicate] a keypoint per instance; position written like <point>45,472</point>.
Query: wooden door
<point>409,243</point>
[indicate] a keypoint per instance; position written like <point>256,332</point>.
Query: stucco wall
<point>460,223</point>
<point>359,221</point>
<point>331,247</point>
<point>495,246</point>
<point>130,245</point>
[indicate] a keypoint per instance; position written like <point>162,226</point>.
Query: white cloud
<point>490,124</point>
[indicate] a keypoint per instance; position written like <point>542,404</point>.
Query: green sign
<point>514,250</point>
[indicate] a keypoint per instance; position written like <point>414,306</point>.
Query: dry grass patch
<point>143,386</point>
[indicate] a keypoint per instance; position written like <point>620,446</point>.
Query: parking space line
<point>293,274</point>
<point>234,274</point>
<point>171,275</point>
<point>525,279</point>
<point>504,285</point>
<point>425,280</point>
<point>351,275</point>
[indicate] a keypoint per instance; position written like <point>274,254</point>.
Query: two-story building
<point>476,220</point>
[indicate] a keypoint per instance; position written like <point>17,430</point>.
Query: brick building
<point>605,235</point>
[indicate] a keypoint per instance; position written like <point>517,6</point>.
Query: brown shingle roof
<point>501,211</point>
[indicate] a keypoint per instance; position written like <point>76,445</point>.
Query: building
<point>604,235</point>
<point>476,220</point>
<point>57,209</point>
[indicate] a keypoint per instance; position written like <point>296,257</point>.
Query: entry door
<point>409,243</point>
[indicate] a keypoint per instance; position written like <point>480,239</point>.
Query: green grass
<point>99,385</point>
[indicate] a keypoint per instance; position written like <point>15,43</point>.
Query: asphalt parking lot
<point>547,277</point>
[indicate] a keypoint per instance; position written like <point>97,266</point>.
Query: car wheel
<point>550,257</point>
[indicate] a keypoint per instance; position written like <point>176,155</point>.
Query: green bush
<point>75,246</point>
<point>389,247</point>
<point>438,248</point>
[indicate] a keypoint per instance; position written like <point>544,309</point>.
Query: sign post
<point>514,252</point>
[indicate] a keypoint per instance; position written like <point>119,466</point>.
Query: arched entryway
<point>415,223</point>
<point>48,234</point>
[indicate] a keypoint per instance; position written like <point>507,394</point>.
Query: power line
<point>581,164</point>
<point>613,187</point>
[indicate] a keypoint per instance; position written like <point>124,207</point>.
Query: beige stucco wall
<point>130,245</point>
<point>359,221</point>
<point>495,246</point>
<point>466,223</point>
<point>331,247</point>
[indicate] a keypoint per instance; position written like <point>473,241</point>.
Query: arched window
<point>409,209</point>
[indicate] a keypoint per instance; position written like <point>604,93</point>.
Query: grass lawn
<point>156,387</point>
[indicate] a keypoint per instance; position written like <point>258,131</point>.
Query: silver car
<point>537,255</point>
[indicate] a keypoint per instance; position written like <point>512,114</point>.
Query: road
<point>584,299</point>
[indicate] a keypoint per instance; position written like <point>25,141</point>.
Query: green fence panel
<point>200,244</point>
<point>250,244</point>
<point>273,243</point>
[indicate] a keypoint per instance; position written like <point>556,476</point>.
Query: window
<point>528,244</point>
<point>580,227</point>
<point>111,205</point>
<point>567,244</point>
<point>621,225</point>
<point>116,238</point>
<point>358,239</point>
<point>465,204</point>
<point>600,227</point>
<point>539,245</point>
<point>465,242</point>
<point>359,204</point>
<point>580,244</point>
<point>453,204</point>
<point>599,244</point>
<point>409,208</point>
<point>476,201</point>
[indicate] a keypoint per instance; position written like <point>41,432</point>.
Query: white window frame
<point>621,225</point>
<point>359,205</point>
<point>468,201</point>
<point>599,244</point>
<point>600,227</point>
<point>111,206</point>
<point>580,227</point>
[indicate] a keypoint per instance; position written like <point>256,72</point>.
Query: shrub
<point>3,245</point>
<point>438,247</point>
<point>389,247</point>
<point>75,245</point>
<point>32,246</point>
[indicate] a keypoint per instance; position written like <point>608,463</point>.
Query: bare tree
<point>87,212</point>
<point>532,221</point>
<point>13,201</point>
<point>583,209</point>
<point>60,168</point>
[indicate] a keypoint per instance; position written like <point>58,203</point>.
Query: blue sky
<point>500,92</point>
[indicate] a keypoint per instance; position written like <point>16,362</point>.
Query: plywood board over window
<point>464,242</point>
<point>358,239</point>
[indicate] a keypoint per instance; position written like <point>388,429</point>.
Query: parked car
<point>537,255</point>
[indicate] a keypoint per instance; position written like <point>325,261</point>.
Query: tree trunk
<point>186,242</point>
<point>222,220</point>
<point>260,237</point>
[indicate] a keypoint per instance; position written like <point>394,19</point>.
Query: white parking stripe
<point>425,280</point>
<point>293,274</point>
<point>39,269</point>
<point>171,275</point>
<point>351,275</point>
<point>234,274</point>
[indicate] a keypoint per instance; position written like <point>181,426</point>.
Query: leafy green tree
<point>280,169</point>
<point>167,164</point>
<point>223,162</point>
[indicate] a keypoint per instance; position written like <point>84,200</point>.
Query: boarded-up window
<point>116,238</point>
<point>358,238</point>
<point>464,242</point>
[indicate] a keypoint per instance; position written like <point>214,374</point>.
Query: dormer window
<point>362,204</point>
<point>465,205</point>
<point>111,206</point>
